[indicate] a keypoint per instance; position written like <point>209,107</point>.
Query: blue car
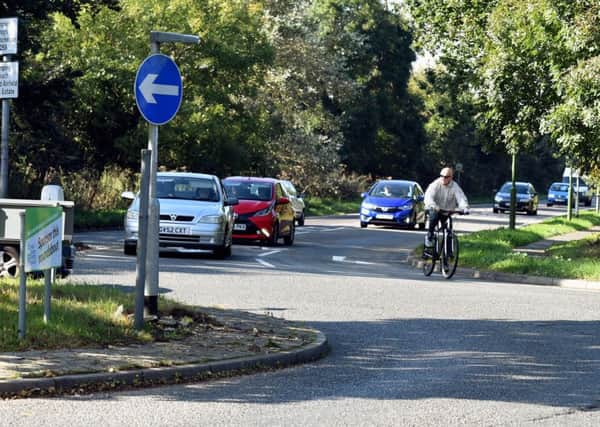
<point>558,194</point>
<point>393,203</point>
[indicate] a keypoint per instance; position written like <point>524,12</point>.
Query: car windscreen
<point>391,189</point>
<point>187,188</point>
<point>521,188</point>
<point>244,190</point>
<point>559,187</point>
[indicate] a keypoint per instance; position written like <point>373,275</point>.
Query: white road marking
<point>271,252</point>
<point>343,259</point>
<point>264,263</point>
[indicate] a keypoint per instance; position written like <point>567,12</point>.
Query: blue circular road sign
<point>158,89</point>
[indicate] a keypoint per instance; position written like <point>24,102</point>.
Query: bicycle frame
<point>445,247</point>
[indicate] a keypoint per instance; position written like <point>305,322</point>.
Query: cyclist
<point>442,194</point>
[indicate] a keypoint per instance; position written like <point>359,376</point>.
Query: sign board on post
<point>8,36</point>
<point>158,89</point>
<point>43,238</point>
<point>9,79</point>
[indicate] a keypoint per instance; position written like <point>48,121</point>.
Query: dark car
<point>393,202</point>
<point>264,213</point>
<point>527,198</point>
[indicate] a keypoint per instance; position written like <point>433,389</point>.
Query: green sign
<point>43,238</point>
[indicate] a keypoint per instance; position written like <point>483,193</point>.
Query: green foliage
<point>102,218</point>
<point>92,190</point>
<point>331,206</point>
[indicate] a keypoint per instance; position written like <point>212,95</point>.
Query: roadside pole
<point>142,243</point>
<point>22,280</point>
<point>9,88</point>
<point>158,92</point>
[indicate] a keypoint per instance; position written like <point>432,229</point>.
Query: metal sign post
<point>158,92</point>
<point>9,88</point>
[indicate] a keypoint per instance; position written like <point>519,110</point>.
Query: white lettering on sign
<point>8,36</point>
<point>9,80</point>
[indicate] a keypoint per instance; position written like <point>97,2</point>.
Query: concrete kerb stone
<point>170,374</point>
<point>415,261</point>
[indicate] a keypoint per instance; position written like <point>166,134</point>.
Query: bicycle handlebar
<point>452,212</point>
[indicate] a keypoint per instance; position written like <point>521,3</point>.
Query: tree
<point>574,122</point>
<point>216,121</point>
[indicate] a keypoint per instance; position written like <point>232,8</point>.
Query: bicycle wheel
<point>449,257</point>
<point>429,258</point>
<point>428,263</point>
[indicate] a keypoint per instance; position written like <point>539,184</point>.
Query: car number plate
<point>239,227</point>
<point>174,229</point>
<point>385,216</point>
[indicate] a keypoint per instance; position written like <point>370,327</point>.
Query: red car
<point>264,213</point>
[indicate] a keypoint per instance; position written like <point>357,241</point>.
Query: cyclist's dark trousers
<point>434,217</point>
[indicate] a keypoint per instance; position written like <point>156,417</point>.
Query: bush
<point>91,190</point>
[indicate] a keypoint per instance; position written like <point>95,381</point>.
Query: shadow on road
<point>553,363</point>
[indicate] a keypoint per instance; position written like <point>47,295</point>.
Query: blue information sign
<point>158,89</point>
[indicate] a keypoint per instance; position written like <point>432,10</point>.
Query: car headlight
<point>265,211</point>
<point>132,215</point>
<point>497,199</point>
<point>405,207</point>
<point>211,219</point>
<point>369,206</point>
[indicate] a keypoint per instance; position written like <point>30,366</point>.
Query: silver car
<point>296,200</point>
<point>195,213</point>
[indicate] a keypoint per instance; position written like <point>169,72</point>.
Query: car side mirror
<point>363,195</point>
<point>231,201</point>
<point>128,195</point>
<point>283,201</point>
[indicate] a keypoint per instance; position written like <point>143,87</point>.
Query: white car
<point>195,213</point>
<point>296,200</point>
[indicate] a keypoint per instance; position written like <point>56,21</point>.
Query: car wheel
<point>363,224</point>
<point>549,204</point>
<point>422,225</point>
<point>301,220</point>
<point>274,235</point>
<point>223,251</point>
<point>129,249</point>
<point>289,239</point>
<point>9,262</point>
<point>494,210</point>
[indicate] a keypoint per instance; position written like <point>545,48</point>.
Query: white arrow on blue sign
<point>158,89</point>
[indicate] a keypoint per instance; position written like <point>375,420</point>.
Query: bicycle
<point>445,247</point>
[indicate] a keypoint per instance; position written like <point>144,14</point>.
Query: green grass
<point>81,315</point>
<point>329,206</point>
<point>493,250</point>
<point>99,219</point>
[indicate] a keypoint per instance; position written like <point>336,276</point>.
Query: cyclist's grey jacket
<point>446,197</point>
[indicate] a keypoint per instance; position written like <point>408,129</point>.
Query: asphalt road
<point>406,349</point>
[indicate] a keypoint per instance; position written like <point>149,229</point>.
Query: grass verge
<point>99,219</point>
<point>81,315</point>
<point>493,249</point>
<point>328,206</point>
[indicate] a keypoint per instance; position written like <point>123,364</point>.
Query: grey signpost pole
<point>142,244</point>
<point>4,144</point>
<point>22,280</point>
<point>9,88</point>
<point>152,287</point>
